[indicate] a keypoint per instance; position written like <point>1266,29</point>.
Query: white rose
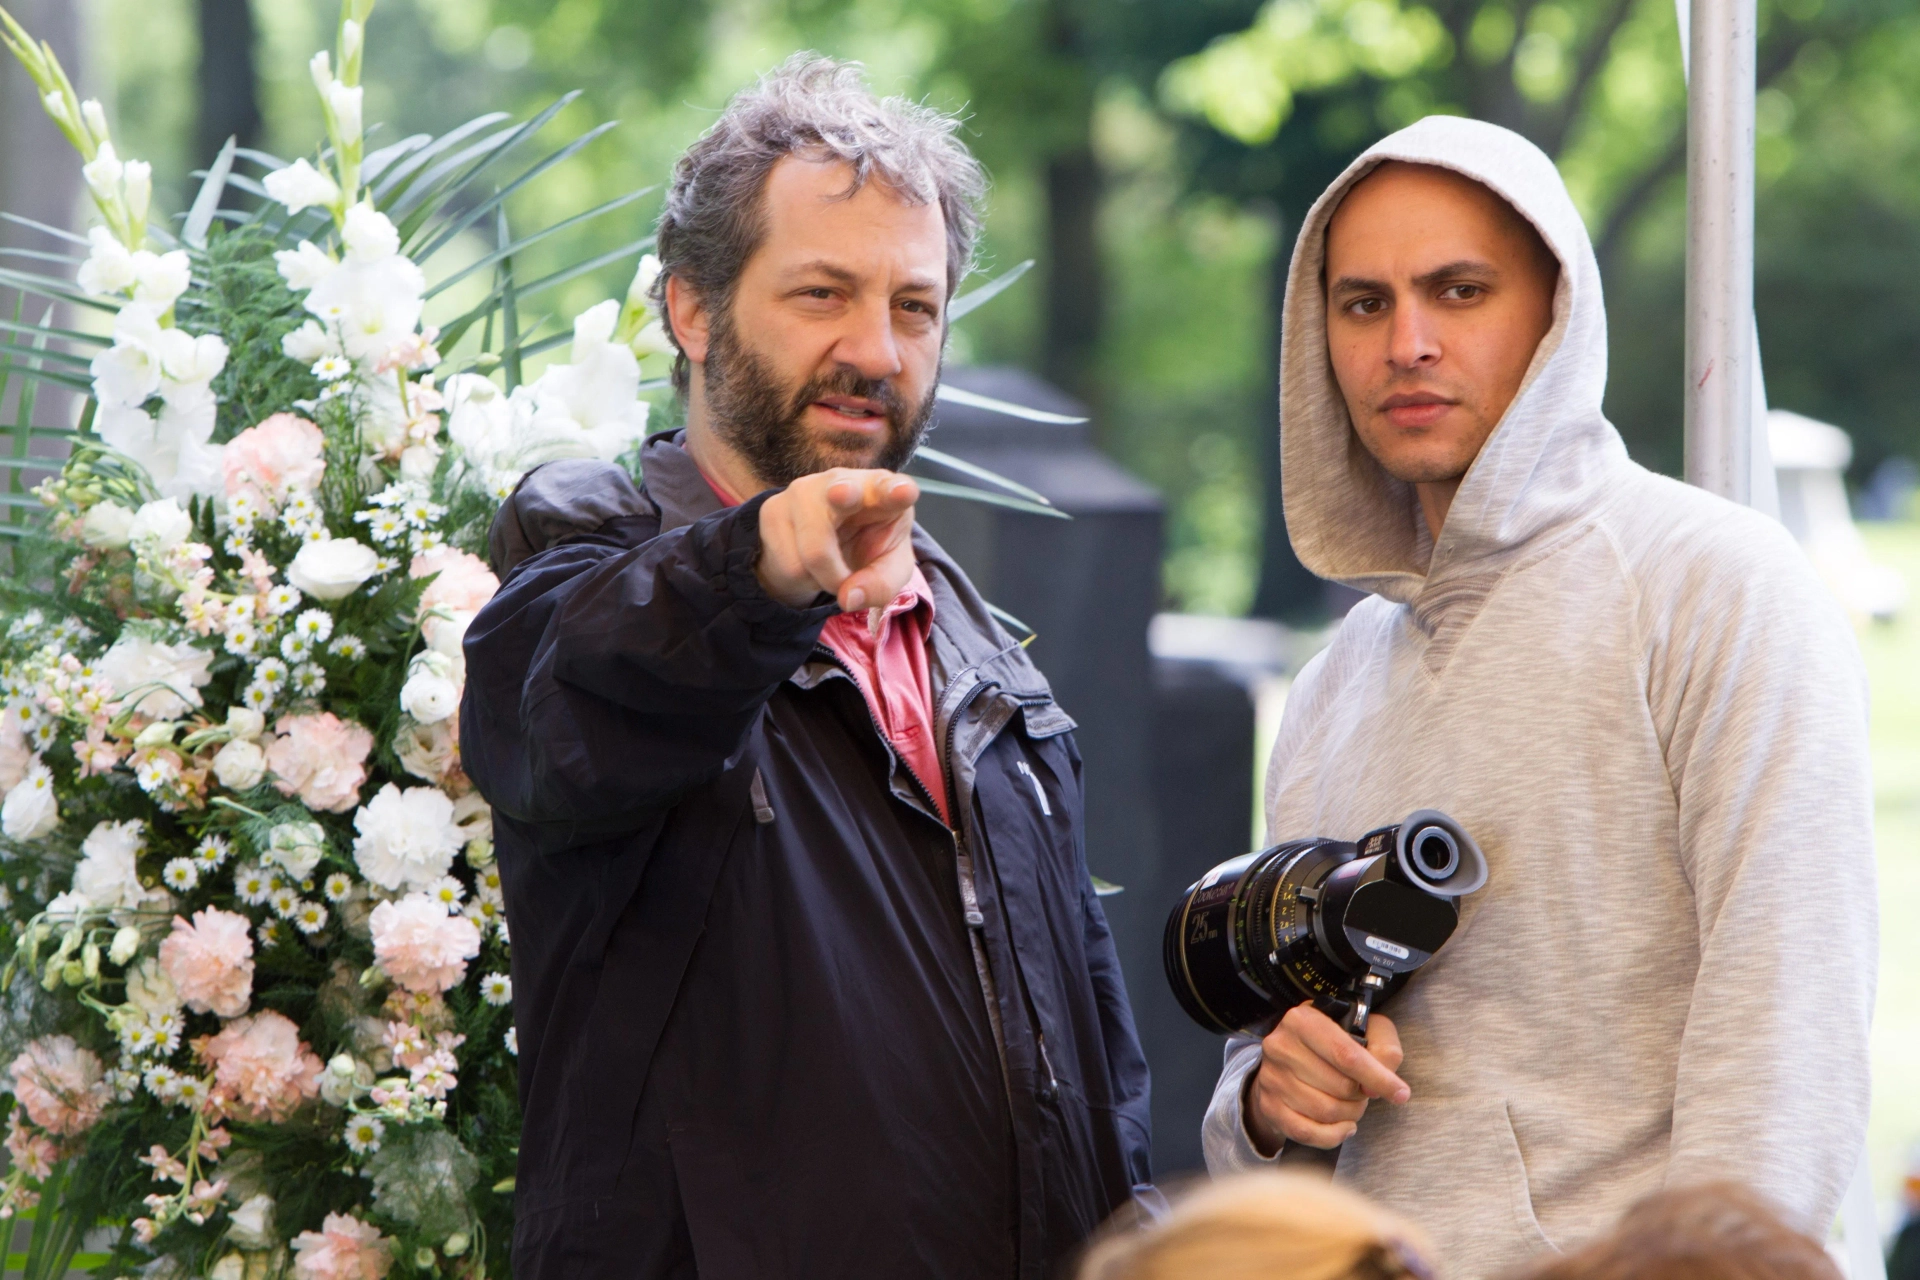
<point>407,838</point>
<point>150,990</point>
<point>240,765</point>
<point>160,526</point>
<point>251,1225</point>
<point>161,680</point>
<point>108,874</point>
<point>332,570</point>
<point>160,279</point>
<point>301,186</point>
<point>31,809</point>
<point>109,266</point>
<point>108,526</point>
<point>429,696</point>
<point>309,344</point>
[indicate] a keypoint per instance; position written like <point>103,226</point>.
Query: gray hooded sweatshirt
<point>1647,710</point>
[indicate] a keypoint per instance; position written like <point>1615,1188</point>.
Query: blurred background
<point>1155,157</point>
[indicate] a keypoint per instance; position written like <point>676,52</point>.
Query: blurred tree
<point>229,81</point>
<point>1595,83</point>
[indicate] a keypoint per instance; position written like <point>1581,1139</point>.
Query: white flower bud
<point>139,180</point>
<point>56,105</point>
<point>244,722</point>
<point>352,36</point>
<point>345,103</point>
<point>321,68</point>
<point>96,117</point>
<point>125,944</point>
<point>158,734</point>
<point>104,172</point>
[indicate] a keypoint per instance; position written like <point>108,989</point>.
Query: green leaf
<point>618,202</point>
<point>986,293</point>
<point>1105,888</point>
<point>59,233</point>
<point>200,217</point>
<point>954,395</point>
<point>436,188</point>
<point>397,182</point>
<point>509,313</point>
<point>978,472</point>
<point>944,489</point>
<point>500,197</point>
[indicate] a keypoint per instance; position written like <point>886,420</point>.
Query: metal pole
<point>1720,334</point>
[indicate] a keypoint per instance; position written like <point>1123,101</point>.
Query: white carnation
<point>161,680</point>
<point>108,875</point>
<point>108,526</point>
<point>407,839</point>
<point>240,764</point>
<point>160,526</point>
<point>31,809</point>
<point>301,186</point>
<point>334,569</point>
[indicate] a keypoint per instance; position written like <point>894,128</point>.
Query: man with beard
<point>809,975</point>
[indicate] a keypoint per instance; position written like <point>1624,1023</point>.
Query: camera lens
<point>1438,856</point>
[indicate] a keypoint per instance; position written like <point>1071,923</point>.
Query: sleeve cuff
<point>1223,1135</point>
<point>740,579</point>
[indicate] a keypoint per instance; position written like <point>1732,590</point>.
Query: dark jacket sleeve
<point>616,671</point>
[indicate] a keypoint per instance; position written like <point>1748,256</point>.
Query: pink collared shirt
<point>885,650</point>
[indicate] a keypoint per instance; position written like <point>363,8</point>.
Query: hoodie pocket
<point>1454,1166</point>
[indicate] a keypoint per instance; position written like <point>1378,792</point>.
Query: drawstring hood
<point>1352,522</point>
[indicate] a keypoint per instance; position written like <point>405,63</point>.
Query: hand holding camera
<point>1315,1080</point>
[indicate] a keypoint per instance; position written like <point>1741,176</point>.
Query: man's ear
<point>691,321</point>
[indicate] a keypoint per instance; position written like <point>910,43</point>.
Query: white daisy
<point>314,626</point>
<point>284,901</point>
<point>163,1082</point>
<point>337,886</point>
<point>448,892</point>
<point>333,368</point>
<point>268,933</point>
<point>243,638</point>
<point>512,1041</point>
<point>283,599</point>
<point>496,989</point>
<point>181,875</point>
<point>190,1091</point>
<point>256,697</point>
<point>309,679</point>
<point>251,885</point>
<point>271,672</point>
<point>309,917</point>
<point>352,648</point>
<point>363,1134</point>
<point>211,852</point>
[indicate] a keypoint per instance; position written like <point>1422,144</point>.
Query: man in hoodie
<point>809,976</point>
<point>1637,697</point>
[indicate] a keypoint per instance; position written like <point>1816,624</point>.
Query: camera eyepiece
<point>1340,923</point>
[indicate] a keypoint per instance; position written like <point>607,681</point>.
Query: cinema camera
<point>1340,923</point>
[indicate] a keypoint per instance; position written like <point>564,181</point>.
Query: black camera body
<point>1340,923</point>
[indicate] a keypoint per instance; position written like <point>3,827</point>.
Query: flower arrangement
<point>259,1003</point>
<point>260,995</point>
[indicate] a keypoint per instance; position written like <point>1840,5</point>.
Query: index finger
<point>1331,1043</point>
<point>868,497</point>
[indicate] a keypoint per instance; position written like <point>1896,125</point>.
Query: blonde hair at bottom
<point>1262,1226</point>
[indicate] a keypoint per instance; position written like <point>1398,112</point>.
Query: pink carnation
<point>344,1248</point>
<point>211,962</point>
<point>261,1067</point>
<point>320,758</point>
<point>269,461</point>
<point>420,946</point>
<point>60,1085</point>
<point>465,583</point>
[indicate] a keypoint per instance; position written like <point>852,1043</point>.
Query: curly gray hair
<point>819,108</point>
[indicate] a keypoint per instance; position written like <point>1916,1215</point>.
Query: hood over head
<point>1547,458</point>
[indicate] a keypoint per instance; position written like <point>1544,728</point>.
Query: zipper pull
<point>969,897</point>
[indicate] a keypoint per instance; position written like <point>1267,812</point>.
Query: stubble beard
<point>762,420</point>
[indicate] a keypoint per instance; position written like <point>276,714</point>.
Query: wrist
<point>1265,1143</point>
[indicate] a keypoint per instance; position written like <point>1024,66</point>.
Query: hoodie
<point>1651,716</point>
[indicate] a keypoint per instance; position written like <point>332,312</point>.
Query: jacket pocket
<point>1454,1166</point>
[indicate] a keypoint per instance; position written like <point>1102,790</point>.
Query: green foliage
<point>246,302</point>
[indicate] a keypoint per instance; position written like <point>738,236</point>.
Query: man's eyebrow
<point>1461,267</point>
<point>820,266</point>
<point>1357,284</point>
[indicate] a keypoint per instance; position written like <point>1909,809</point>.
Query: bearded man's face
<point>828,353</point>
<point>765,416</point>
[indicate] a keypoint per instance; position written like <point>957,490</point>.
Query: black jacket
<point>774,1018</point>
